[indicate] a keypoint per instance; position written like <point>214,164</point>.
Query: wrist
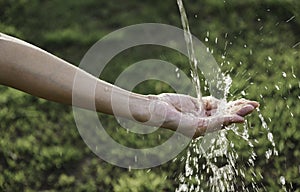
<point>155,112</point>
<point>149,110</point>
<point>139,106</point>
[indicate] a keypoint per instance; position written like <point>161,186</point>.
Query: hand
<point>192,118</point>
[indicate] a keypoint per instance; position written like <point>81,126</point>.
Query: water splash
<point>273,151</point>
<point>219,176</point>
<point>211,161</point>
<point>217,167</point>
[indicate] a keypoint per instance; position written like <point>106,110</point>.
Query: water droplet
<point>268,153</point>
<point>216,40</point>
<point>296,45</point>
<point>245,45</point>
<point>276,86</point>
<point>275,152</point>
<point>206,39</point>
<point>270,136</point>
<point>290,19</point>
<point>258,19</point>
<point>263,122</point>
<point>293,71</point>
<point>196,15</point>
<point>283,74</point>
<point>135,158</point>
<point>269,58</point>
<point>225,46</point>
<point>250,144</point>
<point>176,69</point>
<point>243,93</point>
<point>282,180</point>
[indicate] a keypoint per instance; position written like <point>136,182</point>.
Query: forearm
<point>37,72</point>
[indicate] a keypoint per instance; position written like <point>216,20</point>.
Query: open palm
<point>193,118</point>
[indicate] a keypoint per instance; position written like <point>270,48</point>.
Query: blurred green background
<point>258,44</point>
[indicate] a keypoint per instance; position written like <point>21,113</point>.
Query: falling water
<point>211,161</point>
<point>190,48</point>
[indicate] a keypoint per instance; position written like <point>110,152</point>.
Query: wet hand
<point>193,118</point>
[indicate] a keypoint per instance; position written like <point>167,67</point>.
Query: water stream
<point>211,162</point>
<point>191,52</point>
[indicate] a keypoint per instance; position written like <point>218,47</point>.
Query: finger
<point>245,110</point>
<point>241,107</point>
<point>229,119</point>
<point>218,122</point>
<point>207,125</point>
<point>253,103</point>
<point>243,102</point>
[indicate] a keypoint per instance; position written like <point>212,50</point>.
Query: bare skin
<point>39,73</point>
<point>197,120</point>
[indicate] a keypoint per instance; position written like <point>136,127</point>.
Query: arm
<point>37,72</point>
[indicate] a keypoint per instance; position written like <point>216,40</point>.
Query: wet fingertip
<point>240,119</point>
<point>247,109</point>
<point>233,119</point>
<point>255,104</point>
<point>237,119</point>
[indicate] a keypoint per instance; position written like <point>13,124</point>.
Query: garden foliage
<point>256,42</point>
